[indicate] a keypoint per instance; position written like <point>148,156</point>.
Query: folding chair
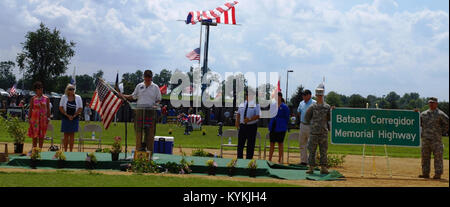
<point>85,136</point>
<point>292,136</point>
<point>234,133</point>
<point>225,136</point>
<point>51,130</point>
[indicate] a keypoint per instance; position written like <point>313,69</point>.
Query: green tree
<point>7,78</point>
<point>162,78</point>
<point>130,80</point>
<point>45,55</point>
<point>444,107</point>
<point>392,98</point>
<point>333,99</point>
<point>85,83</point>
<point>357,101</point>
<point>61,82</point>
<point>296,98</point>
<point>371,99</point>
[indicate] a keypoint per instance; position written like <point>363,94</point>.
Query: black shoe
<point>424,176</point>
<point>437,177</point>
<point>303,164</point>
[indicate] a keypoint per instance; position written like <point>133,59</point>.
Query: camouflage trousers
<point>432,146</point>
<point>314,141</point>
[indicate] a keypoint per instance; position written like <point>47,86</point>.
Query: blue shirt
<point>253,110</point>
<point>281,119</point>
<point>302,107</point>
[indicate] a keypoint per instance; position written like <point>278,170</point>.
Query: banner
<point>375,127</point>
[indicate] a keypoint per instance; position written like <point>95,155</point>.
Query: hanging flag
<point>194,54</point>
<point>105,102</point>
<point>12,91</point>
<point>163,89</point>
<point>225,14</point>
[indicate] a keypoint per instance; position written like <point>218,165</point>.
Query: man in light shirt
<point>246,122</point>
<point>148,96</point>
<point>304,127</point>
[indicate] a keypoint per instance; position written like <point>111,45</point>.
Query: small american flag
<point>225,14</point>
<point>105,102</point>
<point>12,91</point>
<point>194,54</point>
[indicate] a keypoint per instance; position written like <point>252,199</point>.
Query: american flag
<point>105,103</point>
<point>12,91</point>
<point>225,14</point>
<point>194,54</point>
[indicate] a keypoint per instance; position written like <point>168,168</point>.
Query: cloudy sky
<point>360,46</point>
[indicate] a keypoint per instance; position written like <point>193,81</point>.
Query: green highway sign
<point>375,127</point>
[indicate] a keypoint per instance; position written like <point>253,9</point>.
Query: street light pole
<point>287,81</point>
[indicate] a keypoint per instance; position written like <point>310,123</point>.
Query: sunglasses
<point>71,89</point>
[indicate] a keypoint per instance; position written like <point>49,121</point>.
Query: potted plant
<point>91,160</point>
<point>61,158</point>
<point>252,168</point>
<point>170,131</point>
<point>116,148</point>
<point>212,165</point>
<point>204,132</point>
<point>35,156</point>
<point>15,130</point>
<point>231,167</point>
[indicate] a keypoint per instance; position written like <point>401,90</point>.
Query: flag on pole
<point>225,14</point>
<point>105,102</point>
<point>194,54</point>
<point>12,91</point>
<point>116,85</point>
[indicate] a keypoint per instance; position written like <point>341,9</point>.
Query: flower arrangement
<point>204,132</point>
<point>170,131</point>
<point>185,165</point>
<point>59,155</point>
<point>212,165</point>
<point>231,166</point>
<point>35,153</point>
<point>117,145</point>
<point>91,158</point>
<point>232,163</point>
<point>252,167</point>
<point>252,164</point>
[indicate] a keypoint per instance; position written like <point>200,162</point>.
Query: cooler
<point>163,145</point>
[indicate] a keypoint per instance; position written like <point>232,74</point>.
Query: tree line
<point>392,100</point>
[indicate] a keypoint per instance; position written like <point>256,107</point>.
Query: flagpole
<point>200,44</point>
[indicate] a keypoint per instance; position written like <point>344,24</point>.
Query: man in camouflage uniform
<point>434,123</point>
<point>317,116</point>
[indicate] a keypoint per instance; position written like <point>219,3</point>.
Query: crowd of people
<point>314,117</point>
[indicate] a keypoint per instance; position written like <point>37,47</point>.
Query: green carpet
<point>76,160</point>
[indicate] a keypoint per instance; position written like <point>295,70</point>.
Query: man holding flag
<point>148,95</point>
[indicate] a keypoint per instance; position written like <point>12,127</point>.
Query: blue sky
<point>365,47</point>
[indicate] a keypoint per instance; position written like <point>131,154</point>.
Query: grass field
<point>69,179</point>
<point>211,140</point>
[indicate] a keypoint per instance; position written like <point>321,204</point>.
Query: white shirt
<point>78,101</point>
<point>147,95</point>
<point>252,110</point>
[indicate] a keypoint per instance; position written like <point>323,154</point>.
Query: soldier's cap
<point>432,100</point>
<point>320,90</point>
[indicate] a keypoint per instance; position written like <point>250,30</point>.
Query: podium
<point>145,119</point>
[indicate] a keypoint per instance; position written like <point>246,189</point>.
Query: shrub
<point>200,153</point>
<point>14,128</point>
<point>334,160</point>
<point>143,165</point>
